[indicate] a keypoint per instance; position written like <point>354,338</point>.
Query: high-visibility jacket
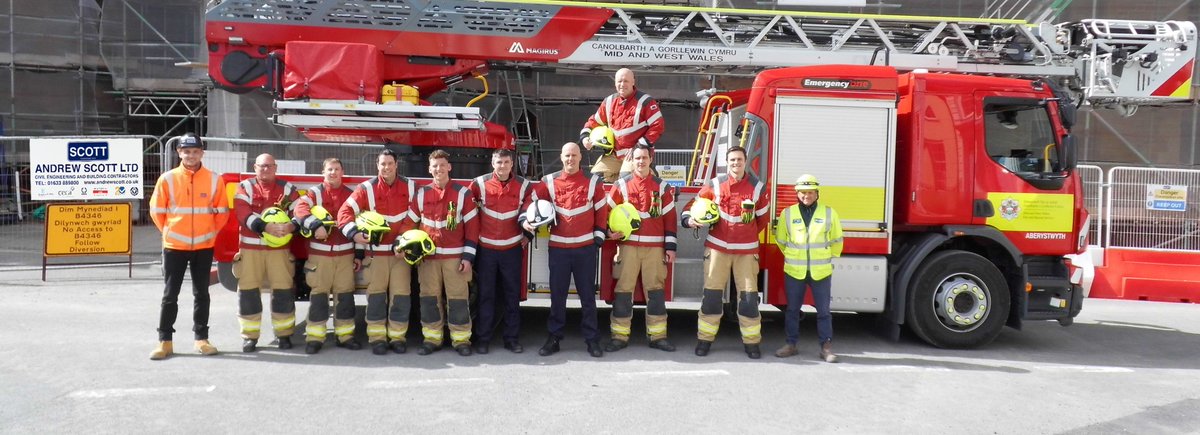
<point>633,119</point>
<point>251,199</point>
<point>809,249</point>
<point>737,231</point>
<point>581,210</point>
<point>389,200</point>
<point>189,207</point>
<point>655,203</point>
<point>449,216</point>
<point>500,202</point>
<point>331,199</point>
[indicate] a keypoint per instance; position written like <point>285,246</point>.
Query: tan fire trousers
<point>717,268</point>
<point>632,261</point>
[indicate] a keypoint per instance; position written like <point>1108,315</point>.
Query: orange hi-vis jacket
<point>655,202</point>
<point>449,216</point>
<point>189,207</point>
<point>633,119</point>
<point>335,243</point>
<point>737,231</point>
<point>582,211</point>
<point>248,204</point>
<point>500,202</point>
<point>389,200</point>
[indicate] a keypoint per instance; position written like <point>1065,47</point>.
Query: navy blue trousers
<point>795,299</point>
<point>581,264</point>
<point>499,275</point>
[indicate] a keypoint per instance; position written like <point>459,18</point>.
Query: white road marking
<point>383,385</point>
<point>674,374</point>
<point>889,369</point>
<point>1085,369</point>
<point>127,392</point>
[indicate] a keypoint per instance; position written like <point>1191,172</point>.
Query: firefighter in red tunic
<point>257,259</point>
<point>582,225</point>
<point>646,252</point>
<point>732,244</point>
<point>389,276</point>
<point>634,118</point>
<point>447,212</point>
<point>331,263</point>
<point>501,196</point>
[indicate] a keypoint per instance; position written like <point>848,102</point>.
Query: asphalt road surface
<point>73,359</point>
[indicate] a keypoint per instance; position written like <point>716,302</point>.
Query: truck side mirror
<point>1066,153</point>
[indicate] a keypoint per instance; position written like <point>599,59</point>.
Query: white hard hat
<point>540,213</point>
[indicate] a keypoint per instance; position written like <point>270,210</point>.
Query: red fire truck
<point>957,191</point>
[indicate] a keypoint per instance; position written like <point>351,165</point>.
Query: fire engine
<point>944,143</point>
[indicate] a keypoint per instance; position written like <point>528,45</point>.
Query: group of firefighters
<point>452,234</point>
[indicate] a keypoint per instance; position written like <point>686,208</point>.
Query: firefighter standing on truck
<point>331,262</point>
<point>632,116</point>
<point>741,206</point>
<point>809,235</point>
<point>646,251</point>
<point>389,286</point>
<point>189,207</point>
<point>579,231</point>
<point>261,205</point>
<point>501,196</point>
<point>447,213</point>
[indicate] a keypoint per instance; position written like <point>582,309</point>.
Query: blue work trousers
<point>581,264</point>
<point>795,299</point>
<point>499,275</point>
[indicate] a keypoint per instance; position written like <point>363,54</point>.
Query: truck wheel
<point>958,299</point>
<point>225,276</point>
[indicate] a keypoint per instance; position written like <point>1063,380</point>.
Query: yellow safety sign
<point>1037,212</point>
<point>88,229</point>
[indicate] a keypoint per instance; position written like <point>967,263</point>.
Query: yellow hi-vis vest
<point>809,249</point>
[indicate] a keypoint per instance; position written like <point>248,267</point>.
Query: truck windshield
<point>1020,137</point>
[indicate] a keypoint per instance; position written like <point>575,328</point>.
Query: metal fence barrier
<point>1093,198</point>
<point>1156,209</point>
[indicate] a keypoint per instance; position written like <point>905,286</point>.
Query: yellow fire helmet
<point>604,138</point>
<point>373,224</point>
<point>414,245</point>
<point>704,211</point>
<point>321,215</point>
<point>275,215</point>
<point>624,218</point>
<point>807,182</point>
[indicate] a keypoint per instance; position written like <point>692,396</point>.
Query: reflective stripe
<point>188,210</point>
<point>807,246</point>
<point>752,331</point>
<point>434,335</point>
<point>159,210</point>
<point>579,239</point>
<point>469,250</point>
<point>671,239</point>
<point>397,333</point>
<point>344,330</point>
<point>285,323</point>
<point>448,251</point>
<point>460,336</point>
<point>498,215</point>
<point>808,262</point>
<point>327,247</point>
<point>376,330</point>
<point>574,211</point>
<point>393,218</point>
<point>505,242</point>
<point>619,330</point>
<point>191,240</point>
<point>434,224</point>
<point>253,240</point>
<point>242,197</point>
<point>249,325</point>
<point>354,206</point>
<point>707,328</point>
<point>475,212</point>
<point>732,246</point>
<point>315,330</point>
<point>379,248</point>
<point>657,329</point>
<point>646,239</point>
<point>598,234</point>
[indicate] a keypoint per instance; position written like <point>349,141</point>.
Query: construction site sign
<point>88,229</point>
<point>85,168</point>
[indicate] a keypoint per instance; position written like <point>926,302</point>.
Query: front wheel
<point>958,299</point>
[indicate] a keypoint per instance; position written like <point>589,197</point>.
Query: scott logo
<point>87,151</point>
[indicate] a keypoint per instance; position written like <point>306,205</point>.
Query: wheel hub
<point>961,303</point>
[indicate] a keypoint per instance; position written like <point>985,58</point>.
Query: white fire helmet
<point>540,213</point>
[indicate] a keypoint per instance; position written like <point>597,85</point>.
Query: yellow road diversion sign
<point>88,229</point>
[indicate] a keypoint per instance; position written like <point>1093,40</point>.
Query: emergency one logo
<point>1010,208</point>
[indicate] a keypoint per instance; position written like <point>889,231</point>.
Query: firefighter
<point>331,262</point>
<point>809,235</point>
<point>389,277</point>
<point>647,250</point>
<point>632,116</point>
<point>447,213</point>
<point>501,196</point>
<point>575,238</point>
<point>732,245</point>
<point>189,207</point>
<point>261,205</point>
